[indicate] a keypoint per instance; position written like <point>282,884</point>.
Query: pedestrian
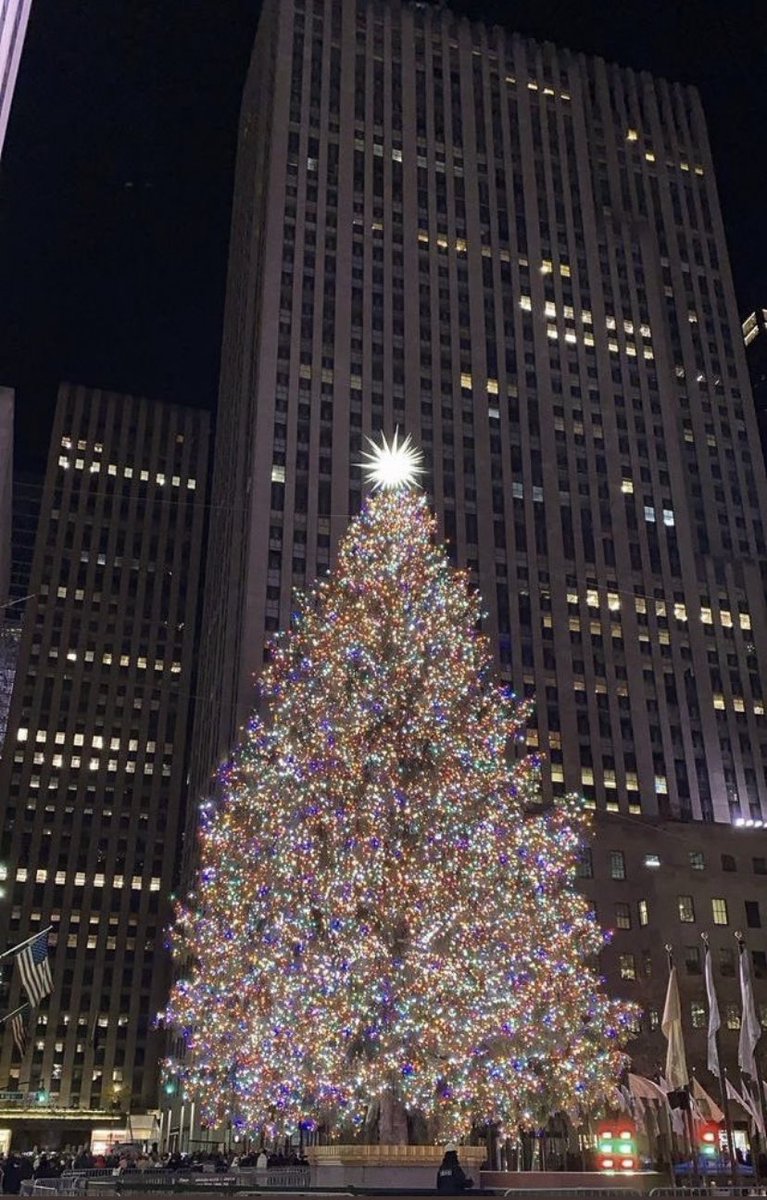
<point>451,1177</point>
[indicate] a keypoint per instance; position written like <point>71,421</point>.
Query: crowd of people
<point>42,1164</point>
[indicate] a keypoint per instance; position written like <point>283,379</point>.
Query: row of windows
<point>686,912</point>
<point>696,861</point>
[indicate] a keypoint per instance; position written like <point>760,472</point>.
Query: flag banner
<point>714,1020</point>
<point>19,1033</point>
<point>35,969</point>
<point>750,1025</point>
<point>707,1106</point>
<point>676,1062</point>
<point>746,1102</point>
<point>754,1107</point>
<point>645,1089</point>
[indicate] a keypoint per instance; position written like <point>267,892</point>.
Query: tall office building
<point>14,15</point>
<point>92,777</point>
<point>8,638</point>
<point>516,254</point>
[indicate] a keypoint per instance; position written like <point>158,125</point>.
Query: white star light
<point>392,465</point>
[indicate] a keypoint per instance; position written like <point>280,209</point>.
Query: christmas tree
<point>385,913</point>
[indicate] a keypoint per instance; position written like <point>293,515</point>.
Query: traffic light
<point>616,1146</point>
<point>708,1141</point>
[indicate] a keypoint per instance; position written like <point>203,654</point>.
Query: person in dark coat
<point>451,1177</point>
<point>12,1178</point>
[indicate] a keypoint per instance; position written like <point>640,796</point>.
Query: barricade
<point>683,1193</point>
<point>602,1193</point>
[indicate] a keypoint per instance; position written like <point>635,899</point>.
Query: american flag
<point>34,968</point>
<point>19,1033</point>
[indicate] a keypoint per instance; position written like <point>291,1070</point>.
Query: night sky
<point>115,183</point>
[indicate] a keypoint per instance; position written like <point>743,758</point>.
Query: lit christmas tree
<point>385,919</point>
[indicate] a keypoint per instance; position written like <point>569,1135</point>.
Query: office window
<point>647,963</point>
<point>652,860</point>
<point>627,966</point>
<point>617,865</point>
<point>697,861</point>
<point>653,1016</point>
<point>760,866</point>
<point>726,960</point>
<point>719,911</point>
<point>692,960</point>
<point>698,1014</point>
<point>732,1016</point>
<point>759,959</point>
<point>622,916</point>
<point>585,867</point>
<point>753,917</point>
<point>728,863</point>
<point>686,909</point>
<point>643,912</point>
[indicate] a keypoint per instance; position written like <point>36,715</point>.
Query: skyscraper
<point>516,254</point>
<point>14,15</point>
<point>92,777</point>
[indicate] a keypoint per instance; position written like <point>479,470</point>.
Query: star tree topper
<point>392,465</point>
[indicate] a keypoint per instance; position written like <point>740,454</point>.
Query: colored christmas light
<point>383,905</point>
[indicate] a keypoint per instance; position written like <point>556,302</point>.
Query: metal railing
<point>136,1179</point>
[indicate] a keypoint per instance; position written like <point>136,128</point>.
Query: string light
<point>383,906</point>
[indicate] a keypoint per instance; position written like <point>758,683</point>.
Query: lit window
<point>706,616</point>
<point>63,461</point>
<point>617,865</point>
<point>697,1013</point>
<point>686,909</point>
<point>627,966</point>
<point>680,612</point>
<point>160,479</point>
<point>732,1016</point>
<point>649,514</point>
<point>745,620</point>
<point>632,135</point>
<point>278,473</point>
<point>466,381</point>
<point>526,303</point>
<point>627,487</point>
<point>719,911</point>
<point>668,516</point>
<point>22,735</point>
<point>652,860</point>
<point>643,912</point>
<point>622,916</point>
<point>697,861</point>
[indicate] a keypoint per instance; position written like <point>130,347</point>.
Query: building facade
<point>14,16</point>
<point>93,772</point>
<point>516,254</point>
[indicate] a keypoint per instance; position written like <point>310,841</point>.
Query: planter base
<point>385,1166</point>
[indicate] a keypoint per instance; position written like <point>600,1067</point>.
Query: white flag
<point>645,1089</point>
<point>709,1110</point>
<point>750,1026</point>
<point>714,1020</point>
<point>676,1062</point>
<point>746,1101</point>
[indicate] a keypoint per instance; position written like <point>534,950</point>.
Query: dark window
<point>728,863</point>
<point>753,919</point>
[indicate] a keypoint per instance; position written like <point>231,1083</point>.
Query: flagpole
<point>723,1087</point>
<point>757,1076</point>
<point>686,1113</point>
<point>8,1016</point>
<point>21,945</point>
